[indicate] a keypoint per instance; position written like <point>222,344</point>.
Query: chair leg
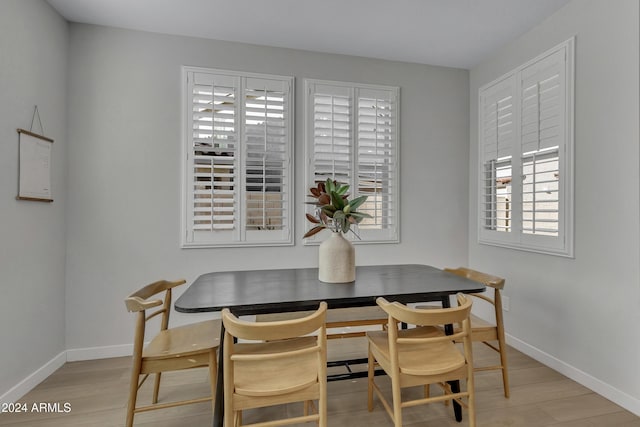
<point>322,412</point>
<point>133,394</point>
<point>503,362</point>
<point>426,391</point>
<point>213,376</point>
<point>370,375</point>
<point>397,402</point>
<point>471,400</point>
<point>156,388</point>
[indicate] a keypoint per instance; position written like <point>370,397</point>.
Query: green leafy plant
<point>333,208</point>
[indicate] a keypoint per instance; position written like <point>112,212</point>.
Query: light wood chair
<point>422,355</point>
<point>275,363</point>
<point>183,347</point>
<point>485,332</point>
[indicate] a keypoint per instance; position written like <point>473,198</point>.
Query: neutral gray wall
<point>33,67</point>
<point>124,167</point>
<point>582,313</point>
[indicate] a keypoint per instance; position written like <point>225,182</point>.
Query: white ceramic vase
<point>337,260</point>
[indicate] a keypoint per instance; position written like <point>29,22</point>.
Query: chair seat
<point>265,378</point>
<point>184,340</point>
<point>431,359</point>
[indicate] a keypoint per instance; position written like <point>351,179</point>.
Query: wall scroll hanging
<point>35,165</point>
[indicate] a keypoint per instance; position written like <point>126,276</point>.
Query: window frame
<point>563,244</point>
<point>242,235</point>
<point>370,236</point>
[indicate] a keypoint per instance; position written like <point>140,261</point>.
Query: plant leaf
<point>337,201</point>
<point>314,192</point>
<point>360,215</point>
<point>342,189</point>
<point>313,219</point>
<point>329,186</point>
<point>314,230</point>
<point>325,199</point>
<point>328,210</point>
<point>355,203</point>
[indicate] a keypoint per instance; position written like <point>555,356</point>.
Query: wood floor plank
<point>540,397</point>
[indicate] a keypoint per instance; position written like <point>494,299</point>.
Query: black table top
<point>266,291</point>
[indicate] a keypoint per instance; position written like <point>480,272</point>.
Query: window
<point>237,159</point>
<point>526,156</point>
<point>352,137</point>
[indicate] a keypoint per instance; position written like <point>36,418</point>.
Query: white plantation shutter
<point>267,158</point>
<point>497,140</point>
<point>377,160</point>
<point>332,133</point>
<point>498,120</point>
<point>526,122</point>
<point>543,130</point>
<point>213,191</point>
<point>543,103</point>
<point>541,193</point>
<point>352,137</point>
<point>238,144</point>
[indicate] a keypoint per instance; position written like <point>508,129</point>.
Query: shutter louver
<point>376,158</point>
<point>266,155</point>
<point>214,136</point>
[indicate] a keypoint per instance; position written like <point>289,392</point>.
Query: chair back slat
<point>277,330</point>
<point>427,317</point>
<point>477,276</point>
<point>150,290</point>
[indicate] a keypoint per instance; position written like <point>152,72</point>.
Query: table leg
<point>218,411</point>
<point>455,385</point>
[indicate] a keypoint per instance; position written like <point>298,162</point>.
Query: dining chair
<point>273,363</point>
<point>486,332</point>
<point>422,355</point>
<point>172,349</point>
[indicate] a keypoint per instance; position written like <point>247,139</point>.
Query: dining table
<point>253,292</point>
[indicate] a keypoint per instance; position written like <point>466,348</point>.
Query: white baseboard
<point>26,385</point>
<point>104,352</point>
<point>618,397</point>
<point>73,355</point>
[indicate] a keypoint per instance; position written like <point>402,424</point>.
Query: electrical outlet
<point>505,303</point>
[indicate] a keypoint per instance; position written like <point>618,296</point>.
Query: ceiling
<point>453,33</point>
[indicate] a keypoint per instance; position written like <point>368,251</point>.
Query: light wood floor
<point>97,392</point>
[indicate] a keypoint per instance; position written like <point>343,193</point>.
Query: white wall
<point>124,167</point>
<point>33,66</point>
<point>580,315</point>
